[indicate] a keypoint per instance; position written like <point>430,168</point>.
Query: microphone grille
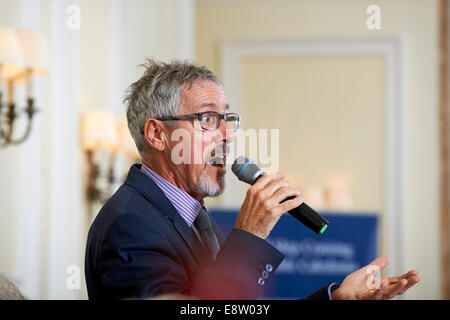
<point>246,170</point>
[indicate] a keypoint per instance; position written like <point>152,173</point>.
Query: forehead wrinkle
<point>213,105</point>
<point>201,95</point>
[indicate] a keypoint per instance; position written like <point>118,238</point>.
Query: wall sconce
<point>104,137</point>
<point>23,54</point>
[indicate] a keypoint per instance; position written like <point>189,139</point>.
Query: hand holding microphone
<point>262,209</point>
<point>269,197</point>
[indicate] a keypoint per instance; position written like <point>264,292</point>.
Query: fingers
<point>285,197</point>
<point>392,287</point>
<point>262,182</point>
<point>278,194</point>
<point>273,186</point>
<point>411,282</point>
<point>407,275</point>
<point>284,193</point>
<point>289,205</point>
<point>396,289</point>
<point>277,188</point>
<point>412,279</point>
<point>384,292</point>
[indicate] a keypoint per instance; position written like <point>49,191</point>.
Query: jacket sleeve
<point>137,261</point>
<point>243,266</point>
<point>323,293</point>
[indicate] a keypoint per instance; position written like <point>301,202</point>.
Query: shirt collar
<point>184,203</point>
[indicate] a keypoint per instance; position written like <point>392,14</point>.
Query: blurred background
<point>357,89</point>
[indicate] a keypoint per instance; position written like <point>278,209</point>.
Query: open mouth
<point>218,162</point>
<point>218,157</point>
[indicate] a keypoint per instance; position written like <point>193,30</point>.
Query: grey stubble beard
<point>208,188</point>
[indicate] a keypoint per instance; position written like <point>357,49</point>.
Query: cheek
<point>202,146</point>
<point>190,145</point>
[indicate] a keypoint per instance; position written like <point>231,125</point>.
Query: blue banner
<point>311,260</point>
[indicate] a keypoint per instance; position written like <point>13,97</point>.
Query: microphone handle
<point>306,215</point>
<point>310,218</point>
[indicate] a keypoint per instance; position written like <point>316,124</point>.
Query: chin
<point>208,188</point>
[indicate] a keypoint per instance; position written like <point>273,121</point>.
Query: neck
<point>174,175</point>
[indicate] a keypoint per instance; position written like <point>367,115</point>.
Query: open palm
<point>362,285</point>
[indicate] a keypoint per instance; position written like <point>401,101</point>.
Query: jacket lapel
<point>191,239</point>
<point>150,190</point>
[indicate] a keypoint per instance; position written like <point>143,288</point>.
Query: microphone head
<point>246,170</point>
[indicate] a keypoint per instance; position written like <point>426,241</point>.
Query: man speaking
<point>154,236</point>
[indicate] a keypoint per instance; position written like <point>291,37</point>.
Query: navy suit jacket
<point>139,246</point>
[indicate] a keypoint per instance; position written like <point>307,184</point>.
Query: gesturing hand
<point>361,284</point>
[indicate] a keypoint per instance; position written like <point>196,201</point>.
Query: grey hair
<point>157,94</point>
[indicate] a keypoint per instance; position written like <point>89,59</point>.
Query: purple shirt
<point>186,205</point>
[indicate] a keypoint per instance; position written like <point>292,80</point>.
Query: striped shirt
<point>186,205</point>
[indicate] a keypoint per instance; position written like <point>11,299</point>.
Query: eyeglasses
<point>209,120</point>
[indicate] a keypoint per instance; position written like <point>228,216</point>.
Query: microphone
<point>249,172</point>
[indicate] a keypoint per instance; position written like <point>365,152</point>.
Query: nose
<point>226,132</point>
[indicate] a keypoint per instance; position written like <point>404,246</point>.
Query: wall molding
<point>30,256</point>
<point>65,211</point>
<point>396,150</point>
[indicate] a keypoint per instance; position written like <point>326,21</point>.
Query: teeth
<point>216,161</point>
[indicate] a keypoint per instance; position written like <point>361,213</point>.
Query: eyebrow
<point>214,106</point>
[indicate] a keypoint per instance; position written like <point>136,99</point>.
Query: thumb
<point>380,262</point>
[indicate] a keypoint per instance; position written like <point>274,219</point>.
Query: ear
<point>154,134</point>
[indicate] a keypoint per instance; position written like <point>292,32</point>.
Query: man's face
<point>204,173</point>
